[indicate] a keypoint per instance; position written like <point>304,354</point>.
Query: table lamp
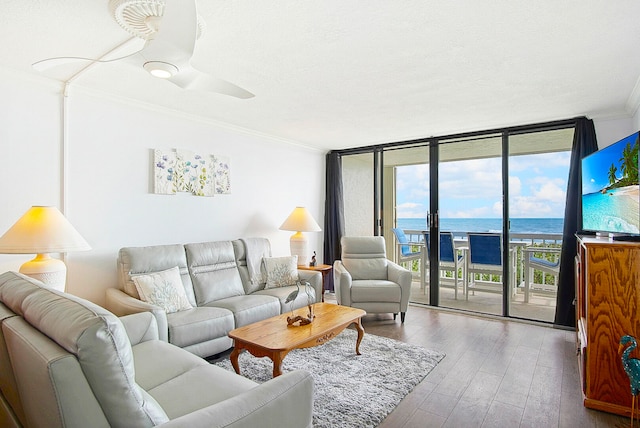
<point>43,230</point>
<point>300,221</point>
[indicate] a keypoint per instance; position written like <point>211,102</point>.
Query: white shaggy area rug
<point>351,390</point>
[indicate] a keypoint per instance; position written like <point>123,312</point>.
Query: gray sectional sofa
<point>66,362</point>
<point>223,282</point>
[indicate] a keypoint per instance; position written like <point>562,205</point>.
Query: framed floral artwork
<point>222,174</point>
<point>186,171</point>
<point>164,170</point>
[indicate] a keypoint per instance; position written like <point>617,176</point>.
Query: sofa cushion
<point>181,374</point>
<point>98,340</point>
<point>137,260</point>
<point>49,380</point>
<point>152,371</point>
<point>163,289</point>
<point>302,300</point>
<point>213,271</point>
<point>364,257</point>
<point>199,325</point>
<point>378,290</point>
<point>249,308</point>
<point>280,271</point>
<point>195,392</point>
<point>8,386</point>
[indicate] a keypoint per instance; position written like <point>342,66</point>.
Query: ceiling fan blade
<point>168,53</point>
<point>190,78</point>
<point>175,39</point>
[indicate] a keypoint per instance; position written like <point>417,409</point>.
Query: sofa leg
<point>402,314</point>
<point>394,316</point>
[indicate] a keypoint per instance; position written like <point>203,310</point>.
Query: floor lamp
<point>41,231</point>
<point>300,221</point>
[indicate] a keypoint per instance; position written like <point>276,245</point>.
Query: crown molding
<point>57,86</point>
<point>633,102</point>
<point>189,116</point>
<point>32,78</point>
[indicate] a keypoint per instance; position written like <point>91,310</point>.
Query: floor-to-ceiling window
<point>406,191</point>
<point>470,189</point>
<point>538,169</point>
<point>457,186</point>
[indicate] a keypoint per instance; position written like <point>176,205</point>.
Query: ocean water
<point>518,225</point>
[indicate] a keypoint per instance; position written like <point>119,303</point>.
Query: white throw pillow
<point>163,289</point>
<point>280,271</point>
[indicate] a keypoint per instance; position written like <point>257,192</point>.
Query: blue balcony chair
<point>485,257</point>
<point>408,251</point>
<point>533,263</point>
<point>450,260</point>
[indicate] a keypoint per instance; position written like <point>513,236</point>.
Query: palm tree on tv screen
<point>612,174</point>
<point>629,164</point>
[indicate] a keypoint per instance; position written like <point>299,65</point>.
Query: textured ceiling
<point>333,74</point>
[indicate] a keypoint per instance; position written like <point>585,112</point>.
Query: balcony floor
<point>539,308</point>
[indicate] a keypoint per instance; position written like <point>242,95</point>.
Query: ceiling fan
<point>169,47</point>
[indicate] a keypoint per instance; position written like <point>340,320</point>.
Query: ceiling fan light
<point>160,69</point>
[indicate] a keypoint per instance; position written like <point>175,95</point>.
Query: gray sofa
<point>222,282</point>
<point>66,362</point>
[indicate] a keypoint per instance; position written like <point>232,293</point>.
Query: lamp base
<point>300,247</point>
<point>51,272</point>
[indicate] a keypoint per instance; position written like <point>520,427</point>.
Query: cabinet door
<point>580,283</point>
<point>612,303</point>
<point>581,335</point>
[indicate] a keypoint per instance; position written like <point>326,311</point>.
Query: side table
<point>324,270</point>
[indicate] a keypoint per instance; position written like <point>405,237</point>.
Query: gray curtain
<point>333,211</point>
<point>584,143</point>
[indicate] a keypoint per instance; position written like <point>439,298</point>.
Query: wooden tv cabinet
<point>607,307</point>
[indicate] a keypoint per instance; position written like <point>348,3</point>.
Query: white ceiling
<point>335,74</point>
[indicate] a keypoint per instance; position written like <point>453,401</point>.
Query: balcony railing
<point>533,262</point>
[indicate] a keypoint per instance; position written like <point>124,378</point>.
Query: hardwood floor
<point>496,373</point>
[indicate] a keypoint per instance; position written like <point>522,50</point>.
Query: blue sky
<point>595,168</point>
<point>472,188</point>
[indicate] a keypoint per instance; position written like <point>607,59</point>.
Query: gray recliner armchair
<point>366,279</point>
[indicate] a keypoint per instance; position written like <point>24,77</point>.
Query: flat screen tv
<point>610,193</point>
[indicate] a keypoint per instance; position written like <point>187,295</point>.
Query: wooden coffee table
<point>273,338</point>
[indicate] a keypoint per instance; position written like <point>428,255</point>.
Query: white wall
<point>29,143</point>
<point>108,175</point>
<point>357,178</point>
<point>608,131</point>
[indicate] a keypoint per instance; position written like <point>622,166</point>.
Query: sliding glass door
<point>405,197</point>
<point>470,194</point>
<point>483,209</point>
<point>538,171</point>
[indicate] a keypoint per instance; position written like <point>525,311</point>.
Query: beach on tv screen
<point>610,191</point>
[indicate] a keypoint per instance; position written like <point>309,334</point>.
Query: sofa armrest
<point>121,304</point>
<point>285,401</point>
<point>140,327</point>
<point>402,277</point>
<point>342,283</point>
<point>315,281</point>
